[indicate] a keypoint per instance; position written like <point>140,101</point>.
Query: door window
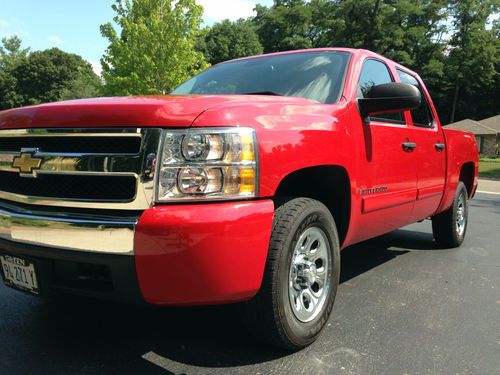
<point>421,116</point>
<point>374,73</point>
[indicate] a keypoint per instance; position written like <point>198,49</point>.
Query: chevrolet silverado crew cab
<point>243,185</point>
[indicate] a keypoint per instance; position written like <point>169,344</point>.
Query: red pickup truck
<point>243,185</point>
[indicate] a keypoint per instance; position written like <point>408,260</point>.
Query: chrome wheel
<point>449,227</point>
<point>301,275</point>
<point>310,274</point>
<point>461,215</point>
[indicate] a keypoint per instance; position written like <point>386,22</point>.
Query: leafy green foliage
<point>284,26</point>
<point>154,50</point>
<point>86,85</point>
<point>42,76</point>
<point>474,59</point>
<point>230,40</point>
<point>48,74</point>
<point>11,56</point>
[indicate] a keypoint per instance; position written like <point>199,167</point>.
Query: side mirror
<point>387,98</point>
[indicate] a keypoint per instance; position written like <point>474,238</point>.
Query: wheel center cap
<point>307,274</point>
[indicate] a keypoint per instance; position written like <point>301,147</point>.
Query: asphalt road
<point>404,307</point>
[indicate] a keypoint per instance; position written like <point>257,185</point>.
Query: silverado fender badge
<point>374,190</point>
<point>26,163</point>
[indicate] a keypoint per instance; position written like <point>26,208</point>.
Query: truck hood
<point>143,111</point>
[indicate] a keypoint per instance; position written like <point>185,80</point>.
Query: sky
<point>73,25</point>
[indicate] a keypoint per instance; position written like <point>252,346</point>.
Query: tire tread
<point>443,224</point>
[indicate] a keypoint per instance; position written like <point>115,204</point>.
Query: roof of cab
<point>350,50</point>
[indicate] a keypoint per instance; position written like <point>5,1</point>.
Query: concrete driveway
<point>404,307</point>
<point>489,186</point>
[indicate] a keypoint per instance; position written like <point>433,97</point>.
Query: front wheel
<point>301,276</point>
<point>449,227</point>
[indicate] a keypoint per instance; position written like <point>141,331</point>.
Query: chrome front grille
<point>80,168</point>
<point>81,143</point>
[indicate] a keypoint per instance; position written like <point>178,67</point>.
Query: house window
<point>480,142</point>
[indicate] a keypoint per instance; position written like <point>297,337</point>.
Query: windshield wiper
<point>262,93</point>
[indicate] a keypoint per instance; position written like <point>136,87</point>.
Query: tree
<point>229,40</point>
<point>324,23</point>
<point>11,53</point>
<point>86,85</point>
<point>42,76</point>
<point>404,30</point>
<point>408,31</point>
<point>154,51</point>
<point>11,56</point>
<point>284,26</point>
<point>50,75</point>
<point>474,55</point>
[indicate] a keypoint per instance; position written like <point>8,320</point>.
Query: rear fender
<point>461,148</point>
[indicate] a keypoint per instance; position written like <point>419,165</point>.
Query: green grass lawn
<point>489,168</point>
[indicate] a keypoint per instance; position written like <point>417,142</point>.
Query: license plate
<point>19,273</point>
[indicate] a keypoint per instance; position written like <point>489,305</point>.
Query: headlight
<point>209,163</point>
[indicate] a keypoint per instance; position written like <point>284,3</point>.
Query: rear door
<point>430,153</point>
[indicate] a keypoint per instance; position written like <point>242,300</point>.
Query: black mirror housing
<point>389,97</point>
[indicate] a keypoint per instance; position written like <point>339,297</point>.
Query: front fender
<point>291,136</point>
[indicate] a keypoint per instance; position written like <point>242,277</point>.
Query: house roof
<point>492,123</point>
<point>472,126</point>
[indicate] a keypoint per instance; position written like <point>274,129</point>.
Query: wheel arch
<point>329,184</point>
<point>467,177</point>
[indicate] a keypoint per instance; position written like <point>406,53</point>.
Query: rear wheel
<point>301,276</point>
<point>450,226</point>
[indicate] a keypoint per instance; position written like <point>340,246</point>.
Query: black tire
<point>445,228</point>
<point>269,315</point>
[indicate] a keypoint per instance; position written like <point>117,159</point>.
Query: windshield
<point>312,75</point>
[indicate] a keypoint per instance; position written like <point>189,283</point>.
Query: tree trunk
<point>455,100</point>
<point>370,34</point>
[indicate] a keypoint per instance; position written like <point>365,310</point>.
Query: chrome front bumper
<point>98,234</point>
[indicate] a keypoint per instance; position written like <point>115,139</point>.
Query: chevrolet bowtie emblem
<point>26,163</point>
